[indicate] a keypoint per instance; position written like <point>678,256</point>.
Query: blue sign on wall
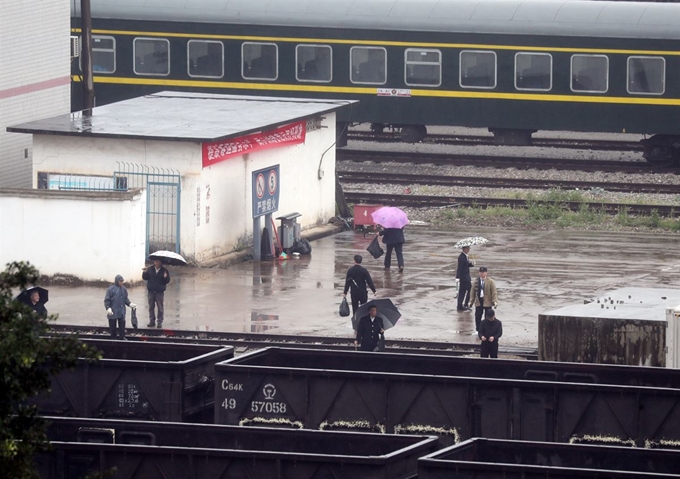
<point>266,188</point>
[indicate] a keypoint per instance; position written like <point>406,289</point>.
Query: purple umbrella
<point>390,217</point>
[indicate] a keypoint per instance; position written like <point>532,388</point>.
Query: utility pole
<point>88,82</point>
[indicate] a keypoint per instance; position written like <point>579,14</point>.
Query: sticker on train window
<point>647,75</point>
<point>422,67</point>
<point>205,59</point>
<point>589,73</point>
<point>314,63</point>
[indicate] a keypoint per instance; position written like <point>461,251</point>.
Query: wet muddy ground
<point>534,271</point>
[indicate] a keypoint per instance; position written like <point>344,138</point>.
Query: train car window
<point>647,75</point>
<point>590,73</point>
<point>477,69</point>
<point>533,71</point>
<point>314,63</point>
<point>368,65</point>
<point>152,56</point>
<point>205,59</point>
<point>103,54</point>
<point>260,61</point>
<point>422,67</point>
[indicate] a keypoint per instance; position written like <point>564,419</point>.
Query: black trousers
<point>479,312</point>
<point>119,324</point>
<point>489,349</point>
<point>464,292</point>
<point>358,298</point>
<point>400,256</point>
<point>156,299</point>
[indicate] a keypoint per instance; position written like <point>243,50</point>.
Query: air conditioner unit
<point>75,47</point>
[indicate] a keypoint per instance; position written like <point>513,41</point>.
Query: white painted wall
<point>34,77</point>
<point>229,221</point>
<point>92,235</point>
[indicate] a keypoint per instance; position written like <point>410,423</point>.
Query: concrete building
<point>196,159</point>
<point>35,77</point>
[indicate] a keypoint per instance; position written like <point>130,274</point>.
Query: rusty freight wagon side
<point>140,449</point>
<point>156,381</point>
<point>418,394</point>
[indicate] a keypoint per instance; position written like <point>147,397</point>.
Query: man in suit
<point>463,276</point>
<point>357,279</point>
<point>368,331</point>
<point>484,295</point>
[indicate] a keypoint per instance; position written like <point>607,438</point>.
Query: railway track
<point>244,342</point>
<point>448,201</point>
<point>496,182</point>
<point>473,140</point>
<point>491,161</point>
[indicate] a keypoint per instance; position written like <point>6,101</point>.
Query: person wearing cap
<point>490,331</point>
<point>356,281</point>
<point>115,300</point>
<point>484,296</point>
<point>464,278</point>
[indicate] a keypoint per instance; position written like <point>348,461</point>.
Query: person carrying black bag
<point>394,240</point>
<point>357,280</point>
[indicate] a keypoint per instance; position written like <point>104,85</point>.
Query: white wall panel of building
<point>216,215</point>
<point>70,232</point>
<point>34,77</point>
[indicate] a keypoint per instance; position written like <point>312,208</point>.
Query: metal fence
<point>162,202</point>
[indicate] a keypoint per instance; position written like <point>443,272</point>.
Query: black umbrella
<point>168,257</point>
<point>386,310</point>
<point>25,295</point>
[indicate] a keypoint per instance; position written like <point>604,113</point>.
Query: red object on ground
<point>362,215</point>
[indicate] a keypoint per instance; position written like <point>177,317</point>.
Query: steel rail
<point>498,182</point>
<point>481,202</point>
<point>541,163</point>
<point>250,341</point>
<point>473,140</point>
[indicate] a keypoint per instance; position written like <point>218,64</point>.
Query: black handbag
<point>344,308</point>
<point>133,318</point>
<point>381,343</point>
<point>375,249</point>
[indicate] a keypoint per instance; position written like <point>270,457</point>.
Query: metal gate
<point>162,202</point>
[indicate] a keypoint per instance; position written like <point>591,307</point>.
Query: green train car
<point>512,66</point>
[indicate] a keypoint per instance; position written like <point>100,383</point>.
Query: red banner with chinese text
<point>218,151</point>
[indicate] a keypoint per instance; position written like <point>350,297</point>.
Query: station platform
<point>535,271</point>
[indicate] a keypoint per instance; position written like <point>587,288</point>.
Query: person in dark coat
<point>37,306</point>
<point>394,240</point>
<point>368,331</point>
<point>357,279</point>
<point>115,300</point>
<point>490,331</point>
<point>463,276</point>
<point>156,277</point>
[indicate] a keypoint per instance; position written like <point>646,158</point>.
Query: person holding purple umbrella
<point>393,221</point>
<point>394,240</point>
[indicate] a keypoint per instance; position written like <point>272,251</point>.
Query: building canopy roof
<point>175,116</point>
